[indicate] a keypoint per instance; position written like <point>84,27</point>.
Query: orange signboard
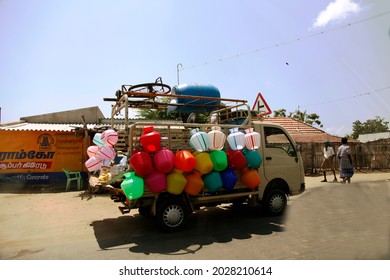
<point>40,151</point>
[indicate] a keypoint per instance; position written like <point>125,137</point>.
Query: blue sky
<point>330,57</point>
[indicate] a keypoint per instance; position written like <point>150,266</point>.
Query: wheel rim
<point>276,203</point>
<point>173,216</point>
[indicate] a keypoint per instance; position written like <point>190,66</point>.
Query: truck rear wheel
<point>171,215</point>
<point>275,202</point>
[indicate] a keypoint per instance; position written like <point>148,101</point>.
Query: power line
<point>285,42</point>
<point>349,97</point>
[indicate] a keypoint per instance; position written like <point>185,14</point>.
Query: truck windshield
<point>277,138</point>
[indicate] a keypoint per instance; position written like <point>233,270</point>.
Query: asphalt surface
<point>329,221</point>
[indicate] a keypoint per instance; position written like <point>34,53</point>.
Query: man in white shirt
<point>328,162</point>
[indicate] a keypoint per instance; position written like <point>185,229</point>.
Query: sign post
<point>261,106</point>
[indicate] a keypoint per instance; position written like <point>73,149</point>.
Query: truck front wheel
<point>275,202</point>
<point>171,215</point>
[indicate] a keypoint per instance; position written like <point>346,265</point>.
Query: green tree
<point>303,116</point>
<point>280,113</point>
<point>154,114</point>
<point>375,125</point>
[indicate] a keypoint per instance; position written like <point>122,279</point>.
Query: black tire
<point>172,214</point>
<point>275,202</point>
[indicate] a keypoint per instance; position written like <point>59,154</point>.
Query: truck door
<point>280,157</point>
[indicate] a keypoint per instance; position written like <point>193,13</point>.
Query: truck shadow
<point>210,225</point>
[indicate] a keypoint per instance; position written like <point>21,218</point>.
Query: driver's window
<point>276,138</point>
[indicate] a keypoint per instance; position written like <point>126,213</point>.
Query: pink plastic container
<point>150,140</point>
<point>164,160</point>
<point>92,150</point>
<point>156,182</point>
<point>141,162</point>
<point>106,153</point>
<point>93,164</point>
<point>109,137</point>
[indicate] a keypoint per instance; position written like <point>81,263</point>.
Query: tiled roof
<point>302,132</point>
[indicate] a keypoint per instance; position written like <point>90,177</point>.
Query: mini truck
<point>281,171</point>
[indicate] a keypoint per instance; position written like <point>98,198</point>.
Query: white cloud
<point>336,10</point>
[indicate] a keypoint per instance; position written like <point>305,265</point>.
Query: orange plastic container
<point>185,160</point>
<point>194,183</point>
<point>250,178</point>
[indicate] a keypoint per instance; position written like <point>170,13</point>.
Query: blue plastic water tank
<point>196,90</point>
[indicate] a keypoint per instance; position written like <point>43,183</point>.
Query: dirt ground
<point>66,223</point>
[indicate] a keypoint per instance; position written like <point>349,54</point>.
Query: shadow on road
<point>211,225</point>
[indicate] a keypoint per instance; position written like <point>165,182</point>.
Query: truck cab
<point>282,169</point>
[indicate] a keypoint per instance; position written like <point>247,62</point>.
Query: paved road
<point>328,221</point>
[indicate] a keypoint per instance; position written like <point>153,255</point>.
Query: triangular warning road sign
<point>261,106</point>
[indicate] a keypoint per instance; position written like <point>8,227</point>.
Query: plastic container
<point>98,140</point>
<point>132,186</point>
<point>185,160</point>
<point>219,160</point>
<point>156,182</point>
<point>164,160</point>
<point>236,139</point>
<point>93,164</point>
<point>106,153</point>
<point>213,181</point>
<point>250,178</point>
<point>150,140</point>
<point>253,158</point>
<point>117,169</point>
<point>216,138</point>
<point>196,90</point>
<point>252,139</point>
<point>93,150</point>
<point>229,178</point>
<point>176,182</point>
<point>204,164</point>
<point>236,159</point>
<point>141,162</point>
<point>194,183</point>
<point>199,140</point>
<point>109,137</point>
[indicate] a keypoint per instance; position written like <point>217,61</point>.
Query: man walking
<point>328,162</point>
